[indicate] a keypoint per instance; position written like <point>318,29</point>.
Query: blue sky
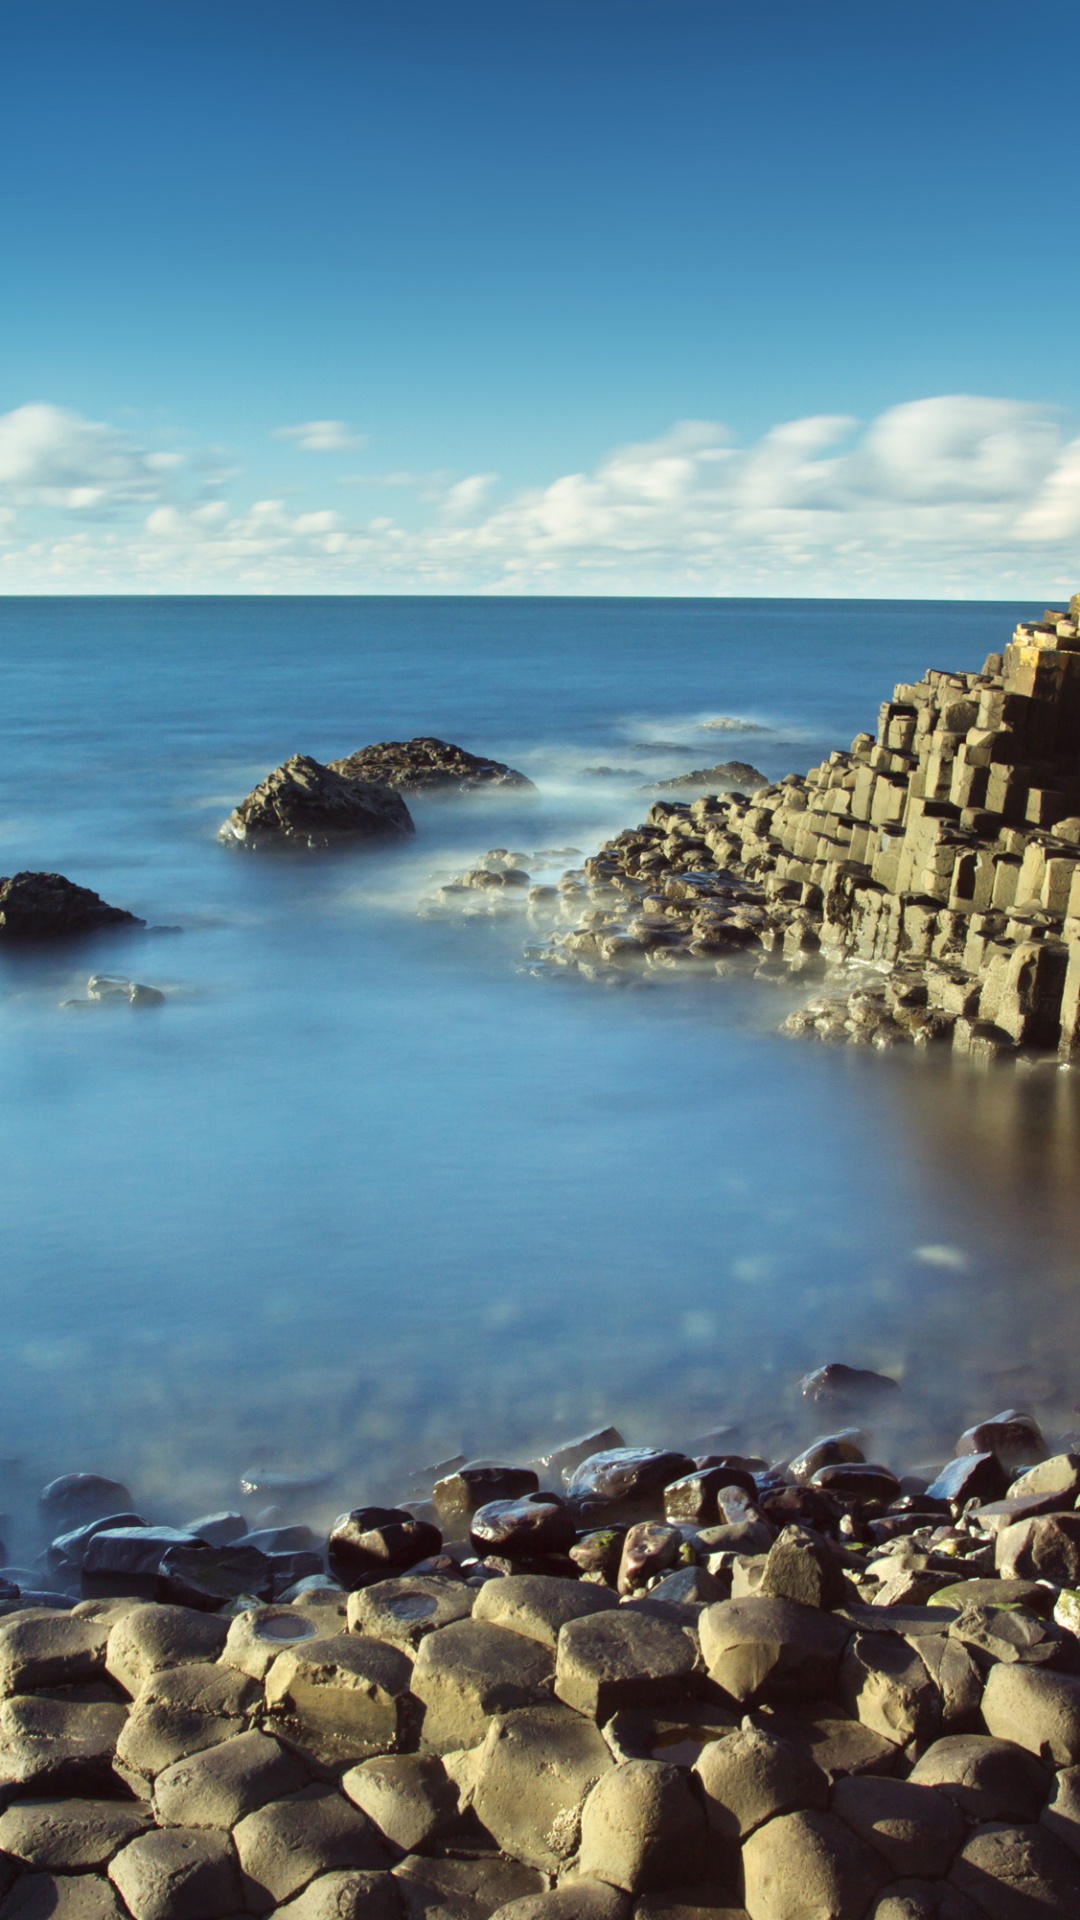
<point>500,255</point>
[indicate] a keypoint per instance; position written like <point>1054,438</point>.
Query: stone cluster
<point>427,765</point>
<point>619,1680</point>
<point>932,871</point>
<point>304,804</point>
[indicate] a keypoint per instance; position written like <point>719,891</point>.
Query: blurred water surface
<point>365,1192</point>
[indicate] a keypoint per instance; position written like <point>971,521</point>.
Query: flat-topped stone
<point>470,1670</point>
<point>760,1647</point>
<point>407,1609</point>
<point>539,1605</point>
<point>71,1835</point>
<point>623,1658</point>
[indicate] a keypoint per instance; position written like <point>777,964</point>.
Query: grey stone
<point>800,1567</point>
<point>217,1787</point>
<point>914,1828</point>
<point>803,1864</point>
<point>749,1777</point>
<point>923,1900</point>
<point>576,1899</point>
<point>701,1900</point>
<point>841,1747</point>
<point>886,1685</point>
<point>259,1634</point>
<point>535,1768</point>
<point>150,1638</point>
<point>343,1698</point>
<point>48,1896</point>
<point>178,1875</point>
<point>409,1796</point>
<point>958,1679</point>
<point>464,1889</point>
<point>306,804</point>
<point>642,1827</point>
<point>59,1746</point>
<point>539,1605</point>
<point>182,1710</point>
<point>346,1896</point>
<point>677,1734</point>
<point>623,1658</point>
<point>50,1649</point>
<point>71,1836</point>
<point>1058,1475</point>
<point>988,1779</point>
<point>761,1647</point>
<point>1018,1873</point>
<point>470,1670</point>
<point>1037,1709</point>
<point>1060,1816</point>
<point>1046,1547</point>
<point>407,1609</point>
<point>284,1845</point>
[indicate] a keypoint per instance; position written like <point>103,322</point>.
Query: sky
<point>540,296</point>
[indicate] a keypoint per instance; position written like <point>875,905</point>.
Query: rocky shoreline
<point>614,1680</point>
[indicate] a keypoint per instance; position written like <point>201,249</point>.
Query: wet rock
<point>694,1498</point>
<point>463,1889</point>
<point>971,1476</point>
<point>68,1550</point>
<point>71,1835</point>
<point>373,1543</point>
<point>987,1778</point>
<point>59,1745</point>
<point>535,1768</point>
<point>478,1484</point>
<point>77,1498</point>
<point>427,765</point>
<point>837,1383</point>
<point>800,1567</point>
<point>50,1650</point>
<point>539,1606</point>
<point>886,1685</point>
<point>193,1574</point>
<point>642,1827</point>
<point>854,1481</point>
<point>45,906</point>
<point>150,1638</point>
<point>346,1896</point>
<point>178,1875</point>
<point>761,1647</point>
<point>341,1699</point>
<point>217,1787</point>
<point>649,1548</point>
<point>284,1845</point>
<point>560,1463</point>
<point>470,1670</point>
<point>1013,1437</point>
<point>302,803</point>
<point>120,1561</point>
<point>828,1451</point>
<point>624,1658</point>
<point>537,1523</point>
<point>598,1554</point>
<point>406,1610</point>
<point>49,1896</point>
<point>809,1862</point>
<point>914,1828</point>
<point>217,1529</point>
<point>178,1711</point>
<point>626,1477</point>
<point>1013,1872</point>
<point>409,1797</point>
<point>1036,1709</point>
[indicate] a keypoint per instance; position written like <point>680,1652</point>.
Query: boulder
<point>625,1478</point>
<point>827,1451</point>
<point>749,1777</point>
<point>559,1464</point>
<point>121,1562</point>
<point>182,1710</point>
<point>427,765</point>
<point>409,1796</point>
<point>759,1647</point>
<point>1017,1873</point>
<point>885,1684</point>
<point>923,1900</point>
<point>810,1863</point>
<point>970,1476</point>
<point>1059,1475</point>
<point>285,1844</point>
<point>406,1610</point>
<point>60,1745</point>
<point>477,1484</point>
<point>536,1523</point>
<point>470,1670</point>
<point>576,1899</point>
<point>150,1638</point>
<point>987,1778</point>
<point>217,1787</point>
<point>1045,1547</point>
<point>469,1889</point>
<point>678,1734</point>
<point>374,1543</point>
<point>50,1650</point>
<point>76,1498</point>
<point>45,906</point>
<point>799,1566</point>
<point>538,1605</point>
<point>649,1548</point>
<point>915,1829</point>
<point>642,1826</point>
<point>69,1549</point>
<point>837,1382</point>
<point>304,804</point>
<point>535,1769</point>
<point>840,1746</point>
<point>346,1895</point>
<point>623,1658</point>
<point>856,1480</point>
<point>342,1699</point>
<point>695,1497</point>
<point>957,1677</point>
<point>259,1634</point>
<point>178,1875</point>
<point>54,1896</point>
<point>1014,1437</point>
<point>1037,1709</point>
<point>70,1836</point>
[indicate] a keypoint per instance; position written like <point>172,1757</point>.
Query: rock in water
<point>45,906</point>
<point>730,773</point>
<point>427,765</point>
<point>303,803</point>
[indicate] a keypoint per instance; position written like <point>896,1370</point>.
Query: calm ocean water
<point>365,1192</point>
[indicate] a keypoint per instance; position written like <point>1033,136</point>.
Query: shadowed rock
<point>427,765</point>
<point>304,804</point>
<point>45,906</point>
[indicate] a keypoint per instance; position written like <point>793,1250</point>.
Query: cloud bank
<point>954,495</point>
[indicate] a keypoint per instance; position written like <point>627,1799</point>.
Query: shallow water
<point>365,1192</point>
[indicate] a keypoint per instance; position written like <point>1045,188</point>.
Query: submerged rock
<point>303,803</point>
<point>427,765</point>
<point>45,906</point>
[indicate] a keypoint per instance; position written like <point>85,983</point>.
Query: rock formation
<point>45,906</point>
<point>303,803</point>
<point>731,774</point>
<point>427,765</point>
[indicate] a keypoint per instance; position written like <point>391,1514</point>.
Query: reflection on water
<point>364,1193</point>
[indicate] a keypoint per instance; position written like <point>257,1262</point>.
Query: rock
<point>537,1523</point>
<point>408,1609</point>
<point>178,1875</point>
<point>559,1464</point>
<point>305,804</point>
<point>59,1745</point>
<point>971,1476</point>
<point>124,1561</point>
<point>258,1635</point>
<point>178,1711</point>
<point>809,1863</point>
<point>885,1684</point>
<point>139,995</point>
<point>150,1638</point>
<point>1037,1709</point>
<point>996,1515</point>
<point>346,1896</point>
<point>733,773</point>
<point>913,1827</point>
<point>45,906</point>
<point>1004,1633</point>
<point>749,1777</point>
<point>78,1497</point>
<point>539,1606</point>
<point>69,1549</point>
<point>828,1451</point>
<point>923,1900</point>
<point>576,1899</point>
<point>841,1747</point>
<point>463,1889</point>
<point>1046,1547</point>
<point>958,1679</point>
<point>857,1481</point>
<point>1058,1475</point>
<point>342,1698</point>
<point>193,1574</point>
<point>694,1498</point>
<point>836,1382</point>
<point>701,1900</point>
<point>649,1548</point>
<point>623,1658</point>
<point>48,1896</point>
<point>427,765</point>
<point>374,1543</point>
<point>217,1787</point>
<point>1014,1437</point>
<point>598,1555</point>
<point>643,1827</point>
<point>688,1587</point>
<point>800,1567</point>
<point>625,1477</point>
<point>535,1768</point>
<point>989,1593</point>
<point>761,1647</point>
<point>1060,1816</point>
<point>1016,1873</point>
<point>677,1734</point>
<point>409,1796</point>
<point>50,1650</point>
<point>470,1670</point>
<point>284,1845</point>
<point>218,1529</point>
<point>71,1836</point>
<point>478,1484</point>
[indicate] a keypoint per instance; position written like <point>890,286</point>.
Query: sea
<point>369,1190</point>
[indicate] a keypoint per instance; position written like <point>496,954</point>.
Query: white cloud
<point>321,436</point>
<point>957,495</point>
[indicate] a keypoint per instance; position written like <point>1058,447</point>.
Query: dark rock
<point>837,1382</point>
<point>302,803</point>
<point>69,1549</point>
<point>78,1497</point>
<point>729,775</point>
<point>626,1477</point>
<point>194,1574</point>
<point>1014,1437</point>
<point>854,1481</point>
<point>971,1476</point>
<point>694,1497</point>
<point>828,1451</point>
<point>374,1543</point>
<point>45,906</point>
<point>539,1523</point>
<point>799,1506</point>
<point>598,1554</point>
<point>219,1529</point>
<point>560,1463</point>
<point>648,1549</point>
<point>480,1483</point>
<point>121,1561</point>
<point>427,765</point>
